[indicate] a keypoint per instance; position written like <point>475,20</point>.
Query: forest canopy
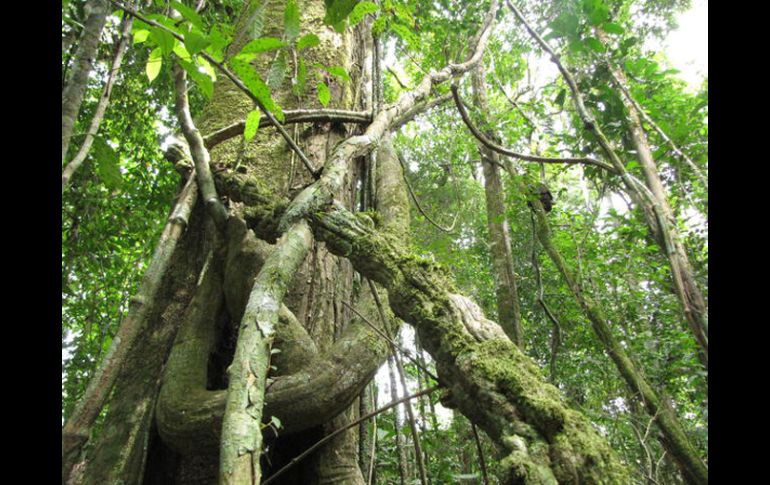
<point>281,217</point>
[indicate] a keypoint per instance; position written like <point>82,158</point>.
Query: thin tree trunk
<point>400,449</point>
<point>677,442</point>
<point>88,46</point>
<point>508,306</point>
<point>104,101</point>
<point>651,200</point>
<point>692,301</point>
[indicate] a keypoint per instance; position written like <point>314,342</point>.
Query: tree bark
<point>88,46</point>
<point>689,294</point>
<point>77,429</point>
<point>508,306</point>
<point>101,107</point>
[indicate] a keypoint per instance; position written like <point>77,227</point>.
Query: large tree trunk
<point>313,390</point>
<point>327,356</point>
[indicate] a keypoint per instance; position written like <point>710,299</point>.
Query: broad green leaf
<point>141,36</point>
<point>202,80</point>
<point>324,95</point>
<point>163,39</point>
<point>337,11</point>
<point>252,124</point>
<point>262,45</point>
<point>299,86</point>
<point>338,71</point>
<point>559,101</point>
<point>219,40</point>
<point>208,69</point>
<point>613,28</point>
<point>181,52</point>
<point>406,34</point>
<point>379,25</point>
<point>360,11</point>
<point>278,70</point>
<point>595,44</point>
<point>257,20</point>
<point>195,42</point>
<point>154,63</point>
<point>189,14</point>
<point>107,164</point>
<point>244,70</point>
<point>276,422</point>
<point>309,40</point>
<point>291,20</point>
<point>599,15</point>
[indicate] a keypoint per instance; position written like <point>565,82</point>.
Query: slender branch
<point>373,450</point>
<point>623,89</point>
<point>398,79</point>
<point>101,107</point>
<point>328,437</point>
<point>482,462</point>
<point>238,83</point>
<point>556,334</point>
<point>448,230</point>
<point>390,341</point>
<point>418,109</point>
<point>291,116</point>
<point>200,154</point>
<point>402,378</point>
<point>506,151</point>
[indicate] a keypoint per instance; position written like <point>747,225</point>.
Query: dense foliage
<point>116,205</point>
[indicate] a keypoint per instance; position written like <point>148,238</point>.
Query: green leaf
<point>163,39</point>
<point>275,422</point>
<point>181,52</point>
<point>360,11</point>
<point>195,42</point>
<point>559,101</point>
<point>595,44</point>
<point>291,20</point>
<point>242,67</point>
<point>189,14</point>
<point>309,40</point>
<point>252,124</point>
<point>613,28</point>
<point>599,15</point>
<point>324,95</point>
<point>337,11</point>
<point>262,45</point>
<point>154,63</point>
<point>219,40</point>
<point>202,80</point>
<point>208,69</point>
<point>141,36</point>
<point>278,70</point>
<point>299,86</point>
<point>107,164</point>
<point>338,71</point>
